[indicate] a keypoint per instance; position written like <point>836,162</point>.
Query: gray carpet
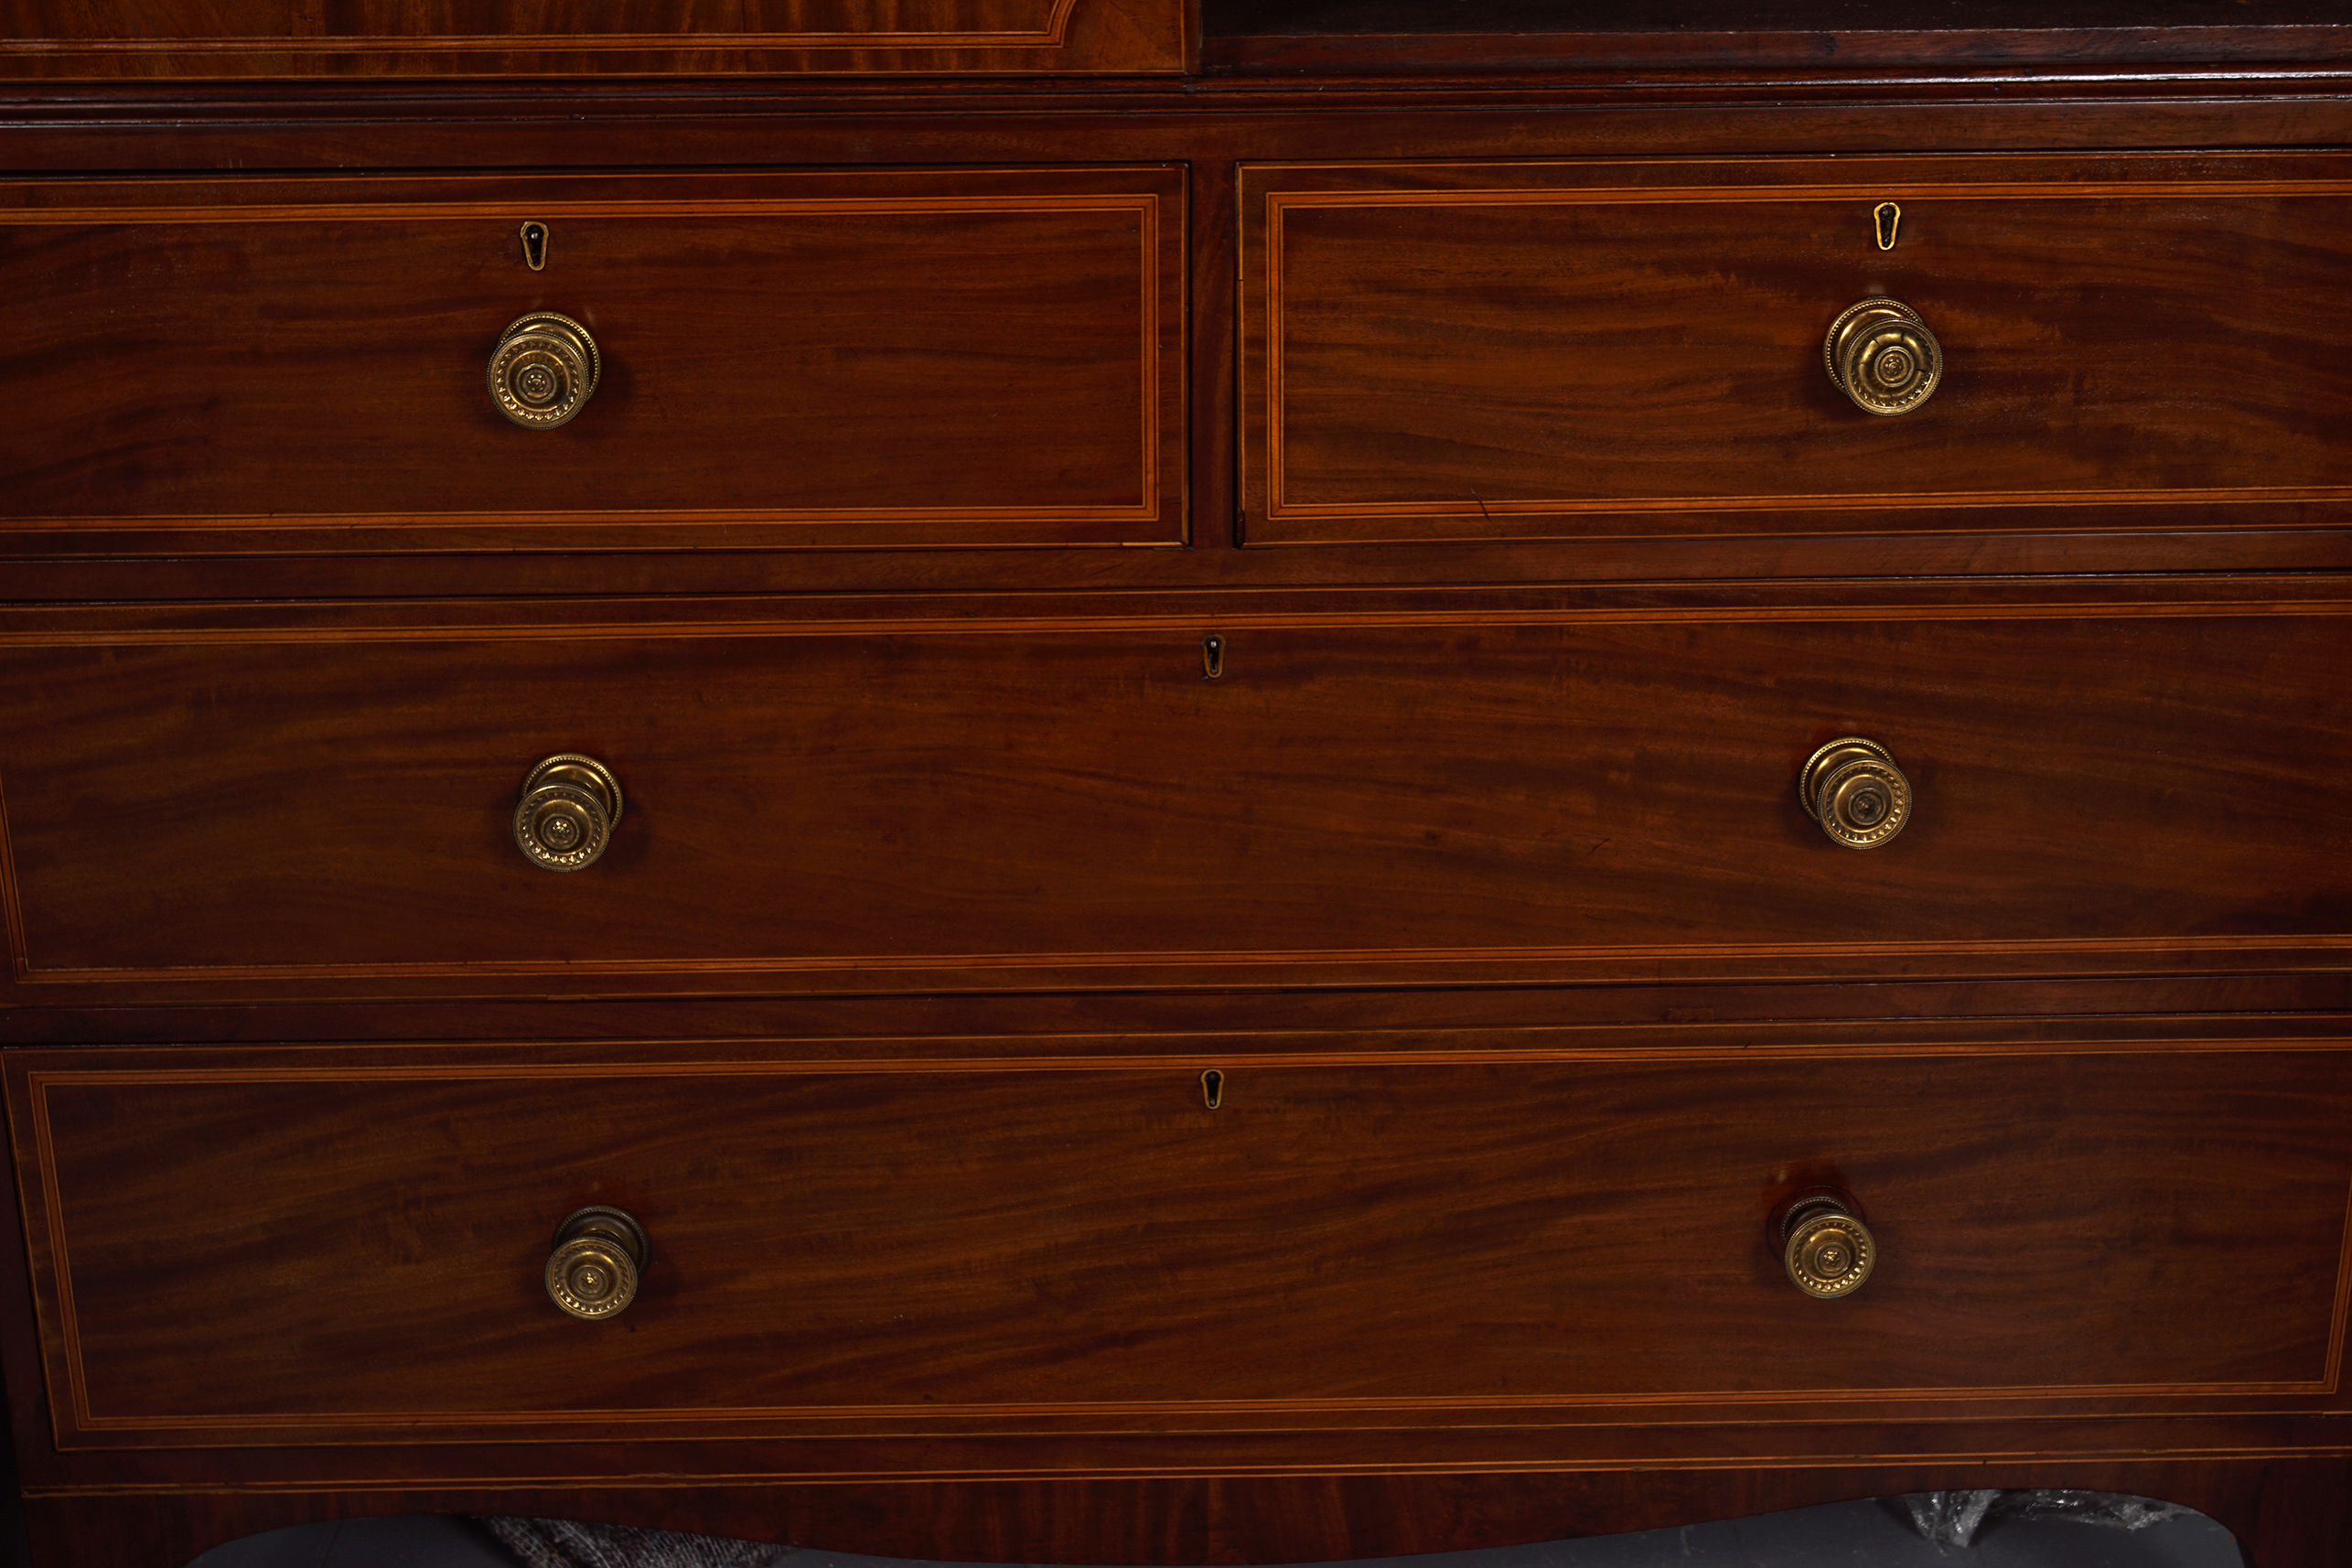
<point>2009,1533</point>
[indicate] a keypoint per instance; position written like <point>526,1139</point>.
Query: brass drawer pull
<point>1824,1245</point>
<point>597,1254</point>
<point>544,371</point>
<point>566,814</point>
<point>1883,355</point>
<point>1853,790</point>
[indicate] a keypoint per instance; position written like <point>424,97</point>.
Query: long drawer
<point>1586,350</point>
<point>300,1244</point>
<point>879,359</point>
<point>148,38</point>
<point>331,808</point>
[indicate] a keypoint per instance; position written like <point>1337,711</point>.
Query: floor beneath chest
<point>1841,1535</point>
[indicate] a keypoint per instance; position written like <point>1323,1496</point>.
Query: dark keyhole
<point>1889,218</point>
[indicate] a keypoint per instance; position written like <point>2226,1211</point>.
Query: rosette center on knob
<point>1883,357</point>
<point>1825,1248</point>
<point>1853,790</point>
<point>596,1259</point>
<point>543,370</point>
<point>565,817</point>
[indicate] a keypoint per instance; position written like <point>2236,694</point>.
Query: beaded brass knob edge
<point>566,814</point>
<point>594,1263</point>
<point>1853,790</point>
<point>1827,1250</point>
<point>1883,357</point>
<point>544,371</point>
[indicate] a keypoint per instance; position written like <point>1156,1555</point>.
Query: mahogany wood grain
<point>980,357</point>
<point>67,39</point>
<point>929,804</point>
<point>1597,349</point>
<point>1209,127</point>
<point>905,1251</point>
<point>991,782</point>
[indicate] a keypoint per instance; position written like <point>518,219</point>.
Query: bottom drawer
<point>303,1244</point>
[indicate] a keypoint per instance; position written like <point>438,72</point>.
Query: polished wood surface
<point>1017,803</point>
<point>941,856</point>
<point>1483,1229</point>
<point>1595,350</point>
<point>793,359</point>
<point>146,39</point>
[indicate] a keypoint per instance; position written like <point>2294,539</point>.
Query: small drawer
<point>329,806</point>
<point>53,41</point>
<point>299,1245</point>
<point>1586,350</point>
<point>977,358</point>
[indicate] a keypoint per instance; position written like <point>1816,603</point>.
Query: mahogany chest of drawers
<point>1086,784</point>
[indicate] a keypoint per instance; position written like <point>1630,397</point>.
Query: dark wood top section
<point>1402,36</point>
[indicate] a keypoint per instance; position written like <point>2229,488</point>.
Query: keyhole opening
<point>1212,1087</point>
<point>534,246</point>
<point>1212,657</point>
<point>1890,217</point>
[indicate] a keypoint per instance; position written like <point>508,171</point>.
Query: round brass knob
<point>543,370</point>
<point>595,1260</point>
<point>1853,790</point>
<point>1827,1250</point>
<point>1883,355</point>
<point>566,814</point>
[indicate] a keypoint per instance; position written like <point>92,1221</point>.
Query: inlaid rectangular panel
<point>66,39</point>
<point>879,359</point>
<point>1579,351</point>
<point>301,1245</point>
<point>328,809</point>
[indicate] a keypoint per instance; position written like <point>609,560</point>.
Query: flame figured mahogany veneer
<point>1007,804</point>
<point>1485,1228</point>
<point>1207,686</point>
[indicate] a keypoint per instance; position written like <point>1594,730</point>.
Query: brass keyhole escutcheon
<point>566,814</point>
<point>594,1262</point>
<point>544,371</point>
<point>534,246</point>
<point>1883,357</point>
<point>1824,1246</point>
<point>1853,790</point>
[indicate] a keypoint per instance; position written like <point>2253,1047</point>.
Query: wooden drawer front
<point>911,805</point>
<point>306,1243</point>
<point>875,360</point>
<point>1579,351</point>
<point>52,39</point>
